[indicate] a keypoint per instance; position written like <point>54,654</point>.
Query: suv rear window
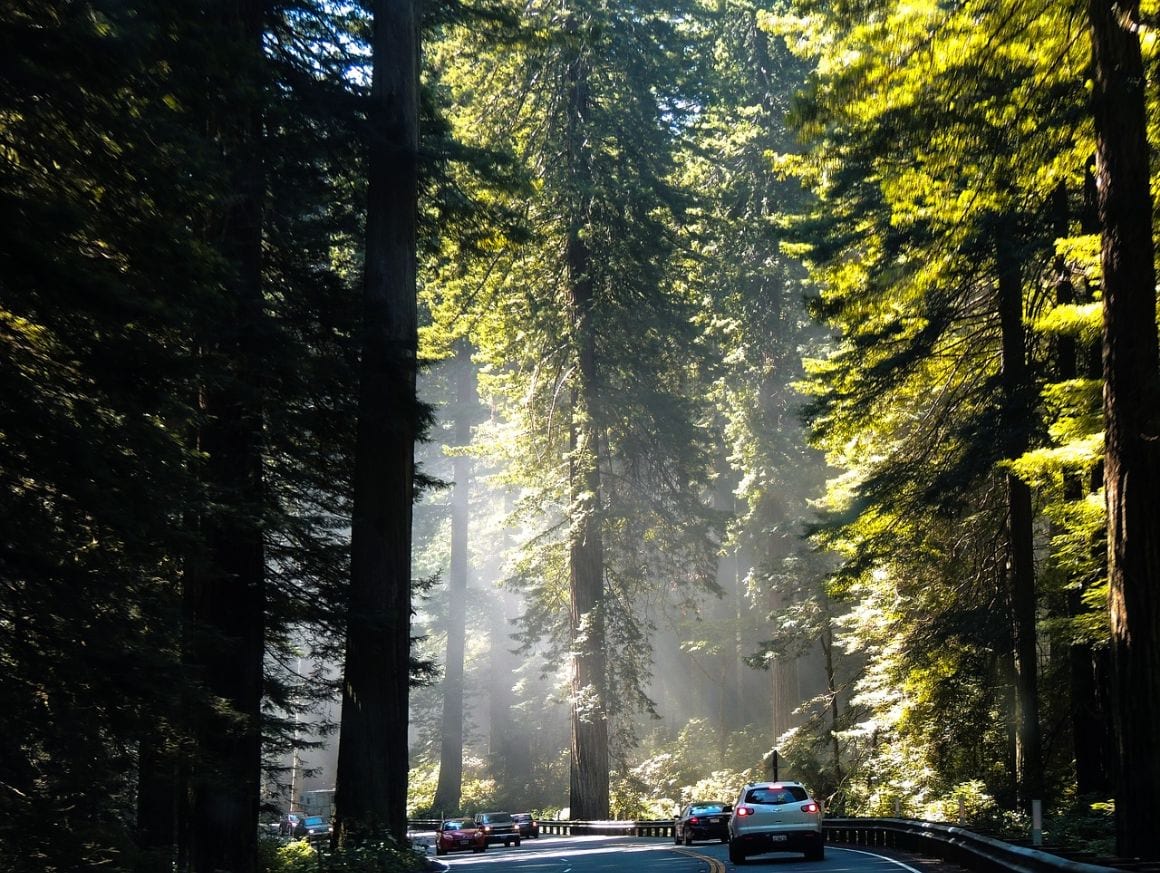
<point>775,796</point>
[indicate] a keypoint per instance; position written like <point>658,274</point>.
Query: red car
<point>459,835</point>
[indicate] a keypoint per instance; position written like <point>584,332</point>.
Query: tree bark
<point>371,790</point>
<point>447,791</point>
<point>1131,368</point>
<point>1020,517</point>
<point>589,777</point>
<point>225,597</point>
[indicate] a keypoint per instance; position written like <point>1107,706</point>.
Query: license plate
<point>464,842</point>
<point>714,821</point>
<point>777,838</point>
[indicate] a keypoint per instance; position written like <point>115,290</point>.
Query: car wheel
<point>517,842</point>
<point>439,851</point>
<point>676,837</point>
<point>688,837</point>
<point>724,839</point>
<point>736,856</point>
<point>818,854</point>
<point>477,850</point>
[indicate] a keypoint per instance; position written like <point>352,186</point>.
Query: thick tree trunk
<point>226,598</point>
<point>371,791</point>
<point>1131,407</point>
<point>1020,518</point>
<point>589,778</point>
<point>588,794</point>
<point>447,791</point>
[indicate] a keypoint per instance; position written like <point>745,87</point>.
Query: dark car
<point>289,823</point>
<point>702,820</point>
<point>313,829</point>
<point>498,827</point>
<point>459,835</point>
<point>526,825</point>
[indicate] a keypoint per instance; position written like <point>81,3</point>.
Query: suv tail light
<point>810,807</point>
<point>744,810</point>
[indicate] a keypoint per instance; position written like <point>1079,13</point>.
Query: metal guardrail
<point>952,843</point>
<point>958,845</point>
<point>570,828</point>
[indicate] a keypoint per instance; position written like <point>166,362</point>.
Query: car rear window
<point>775,796</point>
<point>702,809</point>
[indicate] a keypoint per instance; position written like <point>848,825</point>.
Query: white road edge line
<point>876,855</point>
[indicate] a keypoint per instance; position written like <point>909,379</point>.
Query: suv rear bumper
<point>758,842</point>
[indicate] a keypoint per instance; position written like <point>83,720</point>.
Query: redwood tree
<point>1131,404</point>
<point>371,790</point>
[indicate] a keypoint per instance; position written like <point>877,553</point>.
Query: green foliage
<point>477,791</point>
<point>384,857</point>
<point>677,771</point>
<point>1088,825</point>
<point>296,856</point>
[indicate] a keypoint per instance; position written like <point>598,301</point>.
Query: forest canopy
<point>573,406</point>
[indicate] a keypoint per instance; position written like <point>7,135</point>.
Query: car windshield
<point>314,821</point>
<point>522,816</point>
<point>456,825</point>
<point>497,817</point>
<point>775,796</point>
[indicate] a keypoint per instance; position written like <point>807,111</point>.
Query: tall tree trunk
<point>827,642</point>
<point>588,794</point>
<point>1020,534</point>
<point>589,777</point>
<point>728,695</point>
<point>1131,406</point>
<point>371,790</point>
<point>447,791</point>
<point>226,598</point>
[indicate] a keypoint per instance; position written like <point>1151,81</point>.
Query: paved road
<point>655,855</point>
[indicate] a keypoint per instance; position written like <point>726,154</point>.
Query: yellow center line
<point>715,866</point>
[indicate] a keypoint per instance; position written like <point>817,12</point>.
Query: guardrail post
<point>1037,822</point>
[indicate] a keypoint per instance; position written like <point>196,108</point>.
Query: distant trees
<point>590,350</point>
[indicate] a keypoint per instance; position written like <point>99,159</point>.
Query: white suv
<point>775,817</point>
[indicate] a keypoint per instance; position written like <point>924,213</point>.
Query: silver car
<point>775,817</point>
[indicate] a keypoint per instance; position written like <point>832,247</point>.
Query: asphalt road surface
<point>656,855</point>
